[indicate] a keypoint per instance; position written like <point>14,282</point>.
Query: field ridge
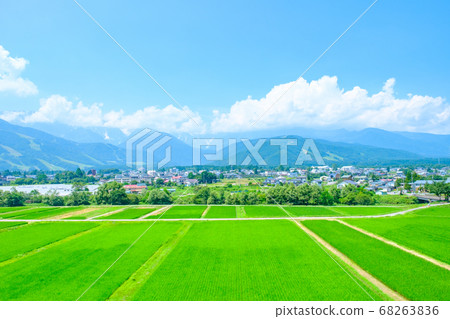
<point>377,283</point>
<point>394,244</point>
<point>205,211</point>
<point>45,247</point>
<point>133,284</point>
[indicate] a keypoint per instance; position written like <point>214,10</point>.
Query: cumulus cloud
<point>11,116</point>
<point>10,70</point>
<point>166,119</point>
<point>316,104</point>
<point>59,109</point>
<point>322,104</point>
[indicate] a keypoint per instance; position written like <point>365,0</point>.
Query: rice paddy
<point>130,213</point>
<point>177,258</point>
<point>180,212</point>
<point>221,212</point>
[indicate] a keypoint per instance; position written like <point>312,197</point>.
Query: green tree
<point>53,199</point>
<point>111,193</point>
<point>158,197</point>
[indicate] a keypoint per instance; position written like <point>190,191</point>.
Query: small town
<point>386,185</point>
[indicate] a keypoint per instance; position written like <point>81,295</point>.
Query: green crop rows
<point>94,213</point>
<point>405,273</point>
<point>5,225</point>
<point>428,235</point>
<point>213,259</point>
<point>221,212</point>
<point>177,212</point>
<point>130,213</point>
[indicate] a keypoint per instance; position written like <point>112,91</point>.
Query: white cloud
<point>11,116</point>
<point>10,70</point>
<point>322,103</point>
<point>59,109</point>
<point>167,119</point>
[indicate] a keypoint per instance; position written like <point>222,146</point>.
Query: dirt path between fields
<point>129,288</point>
<point>381,286</point>
<point>206,211</point>
<point>392,243</point>
<point>75,213</point>
<point>108,213</point>
<point>156,212</point>
<point>299,218</point>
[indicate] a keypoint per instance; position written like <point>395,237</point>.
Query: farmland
<point>407,274</point>
<point>130,213</point>
<point>176,212</point>
<point>221,212</point>
<point>419,231</point>
<point>221,255</point>
<point>94,212</point>
<point>10,224</point>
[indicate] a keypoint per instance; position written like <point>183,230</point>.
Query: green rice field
<point>130,213</point>
<point>177,212</point>
<point>10,224</point>
<point>214,259</point>
<point>405,273</point>
<point>221,212</point>
<point>423,233</point>
<point>93,213</point>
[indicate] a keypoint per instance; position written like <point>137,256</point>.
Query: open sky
<point>226,62</point>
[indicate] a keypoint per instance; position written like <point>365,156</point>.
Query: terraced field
<point>231,259</point>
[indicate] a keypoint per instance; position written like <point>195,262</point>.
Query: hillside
<point>27,148</point>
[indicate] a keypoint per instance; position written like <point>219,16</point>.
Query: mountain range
<point>60,147</point>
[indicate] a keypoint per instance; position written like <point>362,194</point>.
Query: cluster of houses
<point>381,180</point>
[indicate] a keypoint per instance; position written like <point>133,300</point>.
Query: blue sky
<point>212,54</point>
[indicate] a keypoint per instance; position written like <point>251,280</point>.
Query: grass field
<point>219,260</point>
<point>176,212</point>
<point>405,273</point>
<point>43,213</point>
<point>18,214</point>
<point>236,260</point>
<point>130,213</point>
<point>94,213</point>
<point>48,276</point>
<point>221,212</point>
<point>310,211</point>
<point>264,211</point>
<point>10,224</point>
<point>11,209</point>
<point>424,233</point>
<point>24,239</point>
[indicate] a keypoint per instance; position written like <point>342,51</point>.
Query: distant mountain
<point>425,144</point>
<point>82,134</point>
<point>331,152</point>
<point>26,148</point>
